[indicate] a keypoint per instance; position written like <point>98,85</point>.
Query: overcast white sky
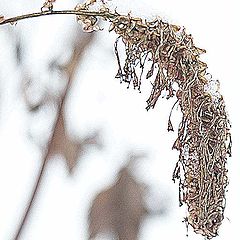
<point>99,101</point>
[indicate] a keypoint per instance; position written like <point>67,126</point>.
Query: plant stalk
<point>104,14</point>
<point>42,169</point>
<point>70,70</point>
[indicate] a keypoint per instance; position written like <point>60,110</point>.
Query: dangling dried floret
<point>203,138</point>
<point>203,135</point>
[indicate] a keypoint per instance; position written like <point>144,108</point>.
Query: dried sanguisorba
<point>204,140</point>
<point>48,5</point>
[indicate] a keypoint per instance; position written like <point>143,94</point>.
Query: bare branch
<point>103,14</point>
<point>70,69</point>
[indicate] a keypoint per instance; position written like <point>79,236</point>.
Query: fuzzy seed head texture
<point>204,140</point>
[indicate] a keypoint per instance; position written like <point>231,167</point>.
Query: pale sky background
<point>99,101</point>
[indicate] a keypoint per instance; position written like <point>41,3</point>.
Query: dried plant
<point>119,209</point>
<point>48,5</point>
<point>71,149</point>
<point>203,134</point>
<point>204,139</point>
<point>60,142</point>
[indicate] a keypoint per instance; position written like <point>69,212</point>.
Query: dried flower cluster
<point>89,23</point>
<point>204,131</point>
<point>48,5</point>
<point>1,18</point>
<point>203,135</point>
<point>204,140</point>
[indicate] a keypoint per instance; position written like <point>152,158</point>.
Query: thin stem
<point>33,195</point>
<point>42,169</point>
<point>70,69</point>
<point>104,14</point>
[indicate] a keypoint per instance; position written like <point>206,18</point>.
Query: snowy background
<point>98,102</point>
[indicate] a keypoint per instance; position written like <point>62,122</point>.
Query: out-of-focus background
<point>109,161</point>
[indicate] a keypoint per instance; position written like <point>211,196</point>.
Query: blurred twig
<point>70,70</point>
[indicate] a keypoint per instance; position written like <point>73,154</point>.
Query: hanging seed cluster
<point>203,134</point>
<point>203,140</point>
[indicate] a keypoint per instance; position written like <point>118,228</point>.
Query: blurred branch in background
<point>60,142</point>
<point>119,211</point>
<point>71,149</point>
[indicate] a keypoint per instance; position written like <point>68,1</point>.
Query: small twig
<point>104,14</point>
<point>70,69</point>
<point>42,168</point>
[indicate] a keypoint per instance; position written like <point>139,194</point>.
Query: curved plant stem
<point>104,14</point>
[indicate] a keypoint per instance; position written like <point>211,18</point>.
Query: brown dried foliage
<point>204,131</point>
<point>48,5</point>
<point>71,149</point>
<point>204,140</point>
<point>203,136</point>
<point>2,18</point>
<point>119,209</point>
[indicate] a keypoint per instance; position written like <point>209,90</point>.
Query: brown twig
<point>104,14</point>
<point>70,70</point>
